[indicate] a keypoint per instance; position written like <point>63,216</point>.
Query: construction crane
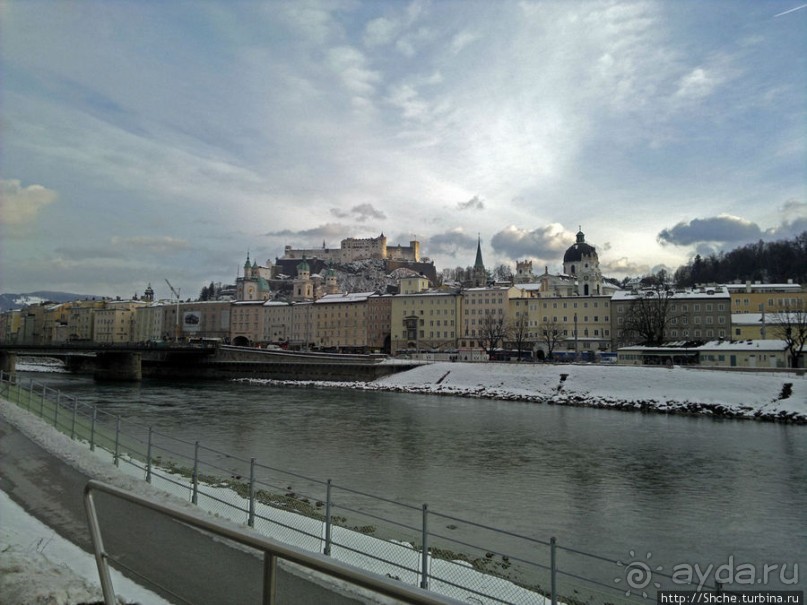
<point>176,294</point>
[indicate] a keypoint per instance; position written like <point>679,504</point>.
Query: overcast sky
<point>148,140</point>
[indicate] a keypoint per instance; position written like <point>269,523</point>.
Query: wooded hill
<point>767,262</point>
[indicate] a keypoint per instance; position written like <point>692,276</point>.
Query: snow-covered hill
<point>18,301</point>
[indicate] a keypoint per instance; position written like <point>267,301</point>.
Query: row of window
<point>595,305</point>
<point>781,302</point>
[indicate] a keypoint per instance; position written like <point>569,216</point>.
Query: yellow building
<point>150,323</point>
<point>770,298</point>
<point>11,326</point>
<point>115,323</point>
<point>582,324</point>
<point>81,319</point>
<point>277,322</point>
<point>55,326</point>
<point>379,311</point>
<point>424,321</point>
<point>340,322</point>
<point>483,308</point>
<point>247,323</point>
<point>301,329</point>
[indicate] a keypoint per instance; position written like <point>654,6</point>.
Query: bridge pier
<point>8,363</point>
<point>118,366</point>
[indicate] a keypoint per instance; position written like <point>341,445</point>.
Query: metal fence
<point>455,557</point>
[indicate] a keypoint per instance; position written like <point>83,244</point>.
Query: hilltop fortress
<point>352,249</point>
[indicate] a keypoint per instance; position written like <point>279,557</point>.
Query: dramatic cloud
<point>308,238</point>
<point>451,242</point>
<point>723,228</point>
<point>152,244</point>
<point>623,267</point>
<point>319,120</point>
<point>794,220</point>
<point>475,203</point>
<point>361,213</point>
<point>22,204</point>
<point>547,242</point>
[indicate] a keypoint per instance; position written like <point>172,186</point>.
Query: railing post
<point>148,459</point>
<point>117,441</point>
<point>98,546</point>
<point>269,578</point>
<point>327,550</point>
<point>553,570</point>
<point>251,518</point>
<point>42,403</point>
<point>56,409</point>
<point>195,477</point>
<point>424,562</point>
<point>92,429</point>
<point>73,422</point>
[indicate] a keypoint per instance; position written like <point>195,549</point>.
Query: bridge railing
<point>414,545</point>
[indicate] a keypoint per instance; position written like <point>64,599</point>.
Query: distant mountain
<point>18,301</point>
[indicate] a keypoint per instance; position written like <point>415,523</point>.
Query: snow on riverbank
<point>677,390</point>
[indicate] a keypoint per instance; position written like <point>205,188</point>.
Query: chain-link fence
<point>449,555</point>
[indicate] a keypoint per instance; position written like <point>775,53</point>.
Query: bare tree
<point>790,325</point>
<point>551,334</point>
<point>649,316</point>
<point>503,273</point>
<point>518,332</point>
<point>492,330</point>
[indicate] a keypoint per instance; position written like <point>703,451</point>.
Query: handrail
<point>272,549</point>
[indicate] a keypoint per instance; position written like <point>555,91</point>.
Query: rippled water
<point>686,489</point>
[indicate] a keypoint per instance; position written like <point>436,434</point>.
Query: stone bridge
<point>132,362</point>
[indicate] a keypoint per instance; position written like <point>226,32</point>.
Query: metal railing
<point>418,546</point>
<point>272,551</point>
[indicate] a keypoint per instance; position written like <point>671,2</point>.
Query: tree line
<point>767,262</point>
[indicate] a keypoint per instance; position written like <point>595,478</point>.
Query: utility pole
<point>175,293</point>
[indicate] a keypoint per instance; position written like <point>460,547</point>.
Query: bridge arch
<point>241,341</point>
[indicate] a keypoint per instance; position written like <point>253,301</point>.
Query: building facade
<point>424,321</point>
<point>699,314</point>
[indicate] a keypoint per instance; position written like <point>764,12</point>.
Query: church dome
<point>579,249</point>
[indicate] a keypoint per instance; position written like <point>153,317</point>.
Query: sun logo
<point>638,574</point>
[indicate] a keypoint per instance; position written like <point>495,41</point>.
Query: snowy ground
<point>37,566</point>
<point>676,390</point>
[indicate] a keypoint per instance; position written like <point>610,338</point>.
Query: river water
<point>688,490</point>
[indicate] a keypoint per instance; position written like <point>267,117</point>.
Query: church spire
<point>478,264</point>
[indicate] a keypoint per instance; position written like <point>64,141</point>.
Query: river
<point>686,490</point>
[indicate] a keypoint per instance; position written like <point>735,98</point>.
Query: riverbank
<point>778,397</point>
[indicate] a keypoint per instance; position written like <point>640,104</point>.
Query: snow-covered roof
<point>714,345</point>
<point>532,286</point>
<point>345,297</point>
<point>764,287</point>
<point>717,292</point>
